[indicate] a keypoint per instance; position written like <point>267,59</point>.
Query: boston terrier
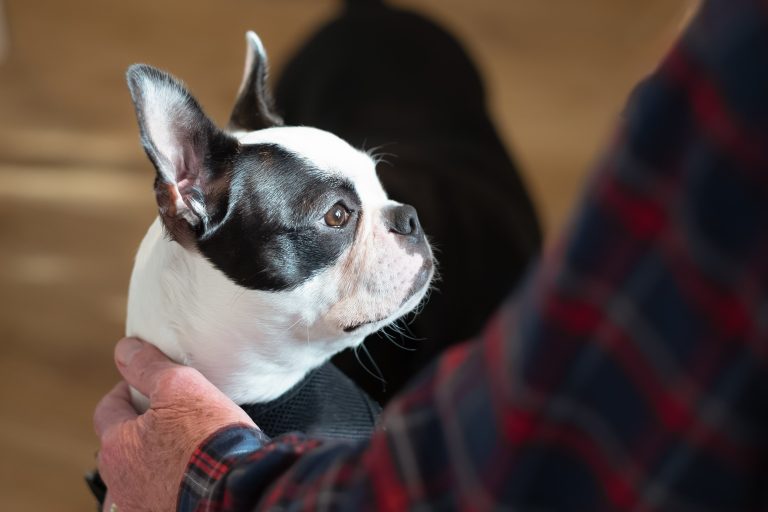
<point>275,246</point>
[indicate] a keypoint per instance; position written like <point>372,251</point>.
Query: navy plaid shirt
<point>629,374</point>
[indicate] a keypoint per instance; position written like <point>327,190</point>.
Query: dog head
<point>289,223</point>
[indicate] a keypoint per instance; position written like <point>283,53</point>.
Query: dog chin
<point>412,299</point>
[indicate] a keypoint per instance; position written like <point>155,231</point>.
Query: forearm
<point>251,474</point>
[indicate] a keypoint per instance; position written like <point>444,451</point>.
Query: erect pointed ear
<point>190,153</point>
<point>254,108</point>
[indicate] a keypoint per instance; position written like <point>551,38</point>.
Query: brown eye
<point>337,216</point>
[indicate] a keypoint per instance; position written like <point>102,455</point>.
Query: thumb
<point>142,364</point>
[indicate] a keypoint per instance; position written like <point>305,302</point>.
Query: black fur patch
<point>270,234</point>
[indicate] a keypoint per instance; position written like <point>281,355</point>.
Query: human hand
<point>143,456</point>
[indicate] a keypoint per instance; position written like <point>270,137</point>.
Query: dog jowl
<point>275,246</point>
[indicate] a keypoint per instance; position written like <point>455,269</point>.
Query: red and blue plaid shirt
<point>629,374</point>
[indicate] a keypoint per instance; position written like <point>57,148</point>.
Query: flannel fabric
<point>629,374</point>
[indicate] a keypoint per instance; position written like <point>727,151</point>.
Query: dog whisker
<point>405,328</point>
<point>294,324</point>
<point>378,375</point>
<point>398,345</point>
<point>378,156</point>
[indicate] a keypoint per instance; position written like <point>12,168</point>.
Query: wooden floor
<point>75,194</point>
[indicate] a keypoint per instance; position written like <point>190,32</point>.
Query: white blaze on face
<point>376,276</point>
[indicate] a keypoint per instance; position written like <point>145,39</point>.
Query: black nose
<point>403,220</point>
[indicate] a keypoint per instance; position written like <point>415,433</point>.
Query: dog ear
<point>189,152</point>
<point>254,108</point>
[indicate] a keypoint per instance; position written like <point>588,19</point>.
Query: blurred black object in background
<point>394,82</point>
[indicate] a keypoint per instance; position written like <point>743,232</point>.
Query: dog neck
<point>253,345</point>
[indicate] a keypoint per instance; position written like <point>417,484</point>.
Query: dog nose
<point>403,220</point>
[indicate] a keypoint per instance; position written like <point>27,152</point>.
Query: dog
<point>275,246</point>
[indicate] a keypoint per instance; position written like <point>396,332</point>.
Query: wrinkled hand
<point>143,456</point>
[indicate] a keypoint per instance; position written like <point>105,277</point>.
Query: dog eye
<point>337,216</point>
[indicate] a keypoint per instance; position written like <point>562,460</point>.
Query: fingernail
<point>126,349</point>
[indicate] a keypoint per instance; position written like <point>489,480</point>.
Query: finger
<point>109,505</point>
<point>141,364</point>
<point>113,409</point>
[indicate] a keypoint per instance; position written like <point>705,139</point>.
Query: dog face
<point>291,220</point>
<point>317,213</point>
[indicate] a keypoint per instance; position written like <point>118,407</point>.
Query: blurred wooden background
<point>75,187</point>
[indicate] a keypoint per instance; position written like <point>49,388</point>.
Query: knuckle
<point>177,378</point>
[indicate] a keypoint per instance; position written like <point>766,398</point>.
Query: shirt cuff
<point>212,461</point>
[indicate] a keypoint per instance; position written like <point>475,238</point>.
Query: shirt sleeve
<point>629,374</point>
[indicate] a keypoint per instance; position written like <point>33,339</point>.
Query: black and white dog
<point>275,247</point>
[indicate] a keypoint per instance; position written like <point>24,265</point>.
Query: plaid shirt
<point>629,374</point>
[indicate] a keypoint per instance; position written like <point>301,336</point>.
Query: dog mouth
<point>354,327</point>
<point>420,282</point>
